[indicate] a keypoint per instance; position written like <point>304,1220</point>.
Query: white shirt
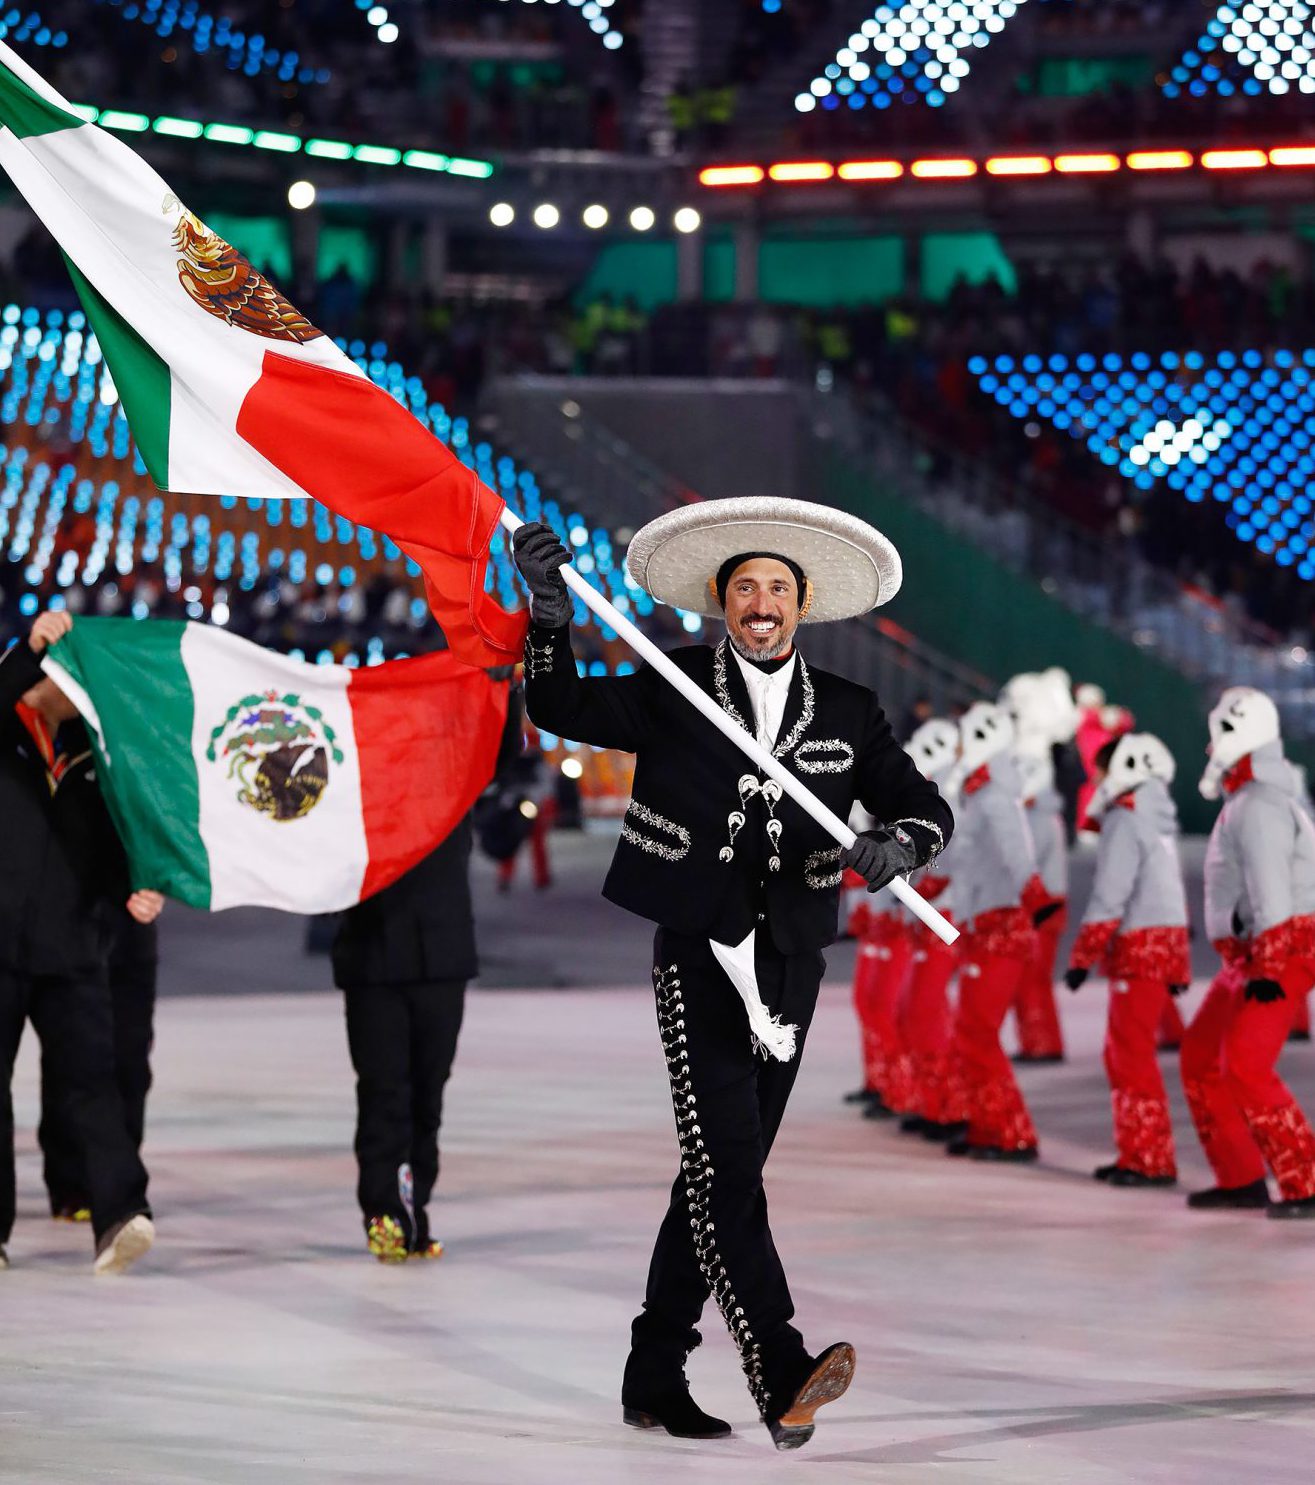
<point>768,691</point>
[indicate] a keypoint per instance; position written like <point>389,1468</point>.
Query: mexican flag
<point>237,776</point>
<point>229,389</point>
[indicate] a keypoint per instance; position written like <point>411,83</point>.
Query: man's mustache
<point>760,619</point>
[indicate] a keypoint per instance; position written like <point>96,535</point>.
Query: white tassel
<point>771,1036</point>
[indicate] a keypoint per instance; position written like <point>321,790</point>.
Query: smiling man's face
<point>762,608</point>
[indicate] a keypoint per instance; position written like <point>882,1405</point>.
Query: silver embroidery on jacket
<point>824,755</point>
<point>926,825</point>
<point>722,689</point>
<point>538,658</point>
<point>645,816</point>
<point>822,870</point>
<point>696,1168</point>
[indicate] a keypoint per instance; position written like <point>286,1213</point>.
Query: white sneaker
<point>123,1245</point>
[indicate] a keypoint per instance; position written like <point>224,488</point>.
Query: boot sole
<point>635,1418</point>
<point>130,1243</point>
<point>830,1380</point>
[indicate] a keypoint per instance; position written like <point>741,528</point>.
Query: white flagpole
<point>800,793</point>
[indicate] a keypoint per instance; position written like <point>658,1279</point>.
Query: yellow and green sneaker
<point>386,1240</point>
<point>432,1249</point>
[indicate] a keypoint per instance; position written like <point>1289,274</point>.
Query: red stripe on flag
<point>427,733</point>
<point>350,445</point>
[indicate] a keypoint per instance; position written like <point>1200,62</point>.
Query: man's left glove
<point>878,856</point>
<point>540,557</point>
<point>1075,978</point>
<point>1264,991</point>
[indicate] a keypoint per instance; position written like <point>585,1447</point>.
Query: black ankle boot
<point>794,1403</point>
<point>655,1393</point>
<point>1252,1196</point>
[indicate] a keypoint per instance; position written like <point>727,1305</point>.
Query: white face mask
<point>985,731</point>
<point>934,748</point>
<point>1138,757</point>
<point>1243,720</point>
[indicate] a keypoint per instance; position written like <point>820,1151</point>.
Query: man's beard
<point>772,652</point>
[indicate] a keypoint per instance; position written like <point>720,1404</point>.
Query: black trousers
<point>73,1018</point>
<point>132,999</point>
<point>729,1101</point>
<point>402,1040</point>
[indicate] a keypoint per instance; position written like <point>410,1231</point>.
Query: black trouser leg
<point>436,1012</point>
<point>61,1155</point>
<point>132,991</point>
<point>132,998</point>
<point>379,1038</point>
<point>74,1019</point>
<point>729,1102</point>
<point>13,1012</point>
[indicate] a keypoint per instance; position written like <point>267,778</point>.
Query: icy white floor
<point>1012,1325</point>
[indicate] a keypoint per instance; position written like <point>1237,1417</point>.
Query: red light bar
<point>870,170</point>
<point>1159,160</point>
<point>1087,164</point>
<point>1234,159</point>
<point>731,175</point>
<point>1019,165</point>
<point>801,170</point>
<point>943,169</point>
<point>1300,154</point>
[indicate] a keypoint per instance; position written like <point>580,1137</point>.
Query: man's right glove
<point>1264,991</point>
<point>1075,978</point>
<point>540,557</point>
<point>878,856</point>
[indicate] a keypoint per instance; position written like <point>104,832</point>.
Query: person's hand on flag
<point>145,906</point>
<point>47,629</point>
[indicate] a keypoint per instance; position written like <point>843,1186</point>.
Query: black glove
<point>1236,923</point>
<point>1075,978</point>
<point>1177,990</point>
<point>878,856</point>
<point>539,556</point>
<point>1042,913</point>
<point>1264,991</point>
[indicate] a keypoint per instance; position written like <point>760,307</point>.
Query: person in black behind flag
<point>403,958</point>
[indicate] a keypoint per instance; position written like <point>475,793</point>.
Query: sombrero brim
<point>853,567</point>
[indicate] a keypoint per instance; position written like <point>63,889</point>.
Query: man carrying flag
<point>744,888</point>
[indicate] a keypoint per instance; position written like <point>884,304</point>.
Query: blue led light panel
<point>187,23</point>
<point>1237,428</point>
<point>1262,46</point>
<point>917,51</point>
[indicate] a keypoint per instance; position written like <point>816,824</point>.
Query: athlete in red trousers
<point>1136,926</point>
<point>997,894</point>
<point>1041,708</point>
<point>885,954</point>
<point>936,1107</point>
<point>1259,896</point>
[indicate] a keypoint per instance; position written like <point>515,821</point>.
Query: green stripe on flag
<point>140,377</point>
<point>133,672</point>
<point>27,113</point>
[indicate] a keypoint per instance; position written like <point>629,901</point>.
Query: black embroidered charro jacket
<point>709,846</point>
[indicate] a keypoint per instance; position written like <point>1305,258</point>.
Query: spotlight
<point>301,194</point>
<point>572,768</point>
<point>377,15</point>
<point>642,218</point>
<point>502,214</point>
<point>595,216</point>
<point>546,215</point>
<point>688,220</point>
<point>387,32</point>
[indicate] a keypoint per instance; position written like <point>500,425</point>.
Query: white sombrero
<point>852,566</point>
